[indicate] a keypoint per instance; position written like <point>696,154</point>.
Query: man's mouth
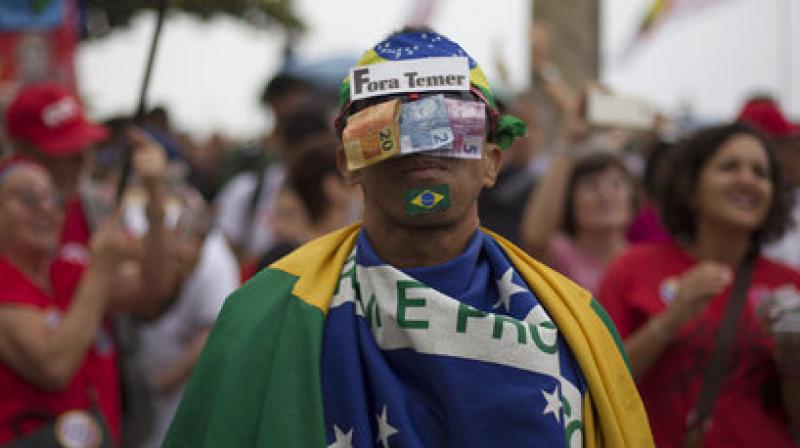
<point>420,167</point>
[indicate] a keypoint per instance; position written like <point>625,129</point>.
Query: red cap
<point>767,116</point>
<point>50,118</point>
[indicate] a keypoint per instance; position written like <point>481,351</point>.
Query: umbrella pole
<point>142,107</point>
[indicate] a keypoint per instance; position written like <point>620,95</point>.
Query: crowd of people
<point>120,242</point>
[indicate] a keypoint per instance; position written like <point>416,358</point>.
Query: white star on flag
<point>507,288</point>
<point>343,440</point>
<point>553,404</point>
<point>385,430</point>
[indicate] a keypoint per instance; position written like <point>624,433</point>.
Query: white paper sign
<point>416,75</point>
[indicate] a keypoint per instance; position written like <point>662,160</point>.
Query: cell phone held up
<point>619,111</point>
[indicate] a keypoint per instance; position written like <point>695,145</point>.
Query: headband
<point>423,61</point>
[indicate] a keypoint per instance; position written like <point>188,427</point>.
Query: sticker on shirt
<point>78,429</point>
<point>52,317</point>
<point>75,253</point>
<point>668,290</point>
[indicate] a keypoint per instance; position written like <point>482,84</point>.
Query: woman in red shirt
<point>44,339</point>
<point>722,199</point>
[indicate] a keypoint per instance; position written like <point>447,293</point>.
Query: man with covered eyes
<point>416,327</point>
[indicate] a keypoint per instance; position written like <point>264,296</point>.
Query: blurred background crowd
<point>125,233</point>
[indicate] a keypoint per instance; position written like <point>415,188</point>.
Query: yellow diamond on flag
<point>427,199</point>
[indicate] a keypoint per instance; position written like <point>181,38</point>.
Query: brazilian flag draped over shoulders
<point>258,381</point>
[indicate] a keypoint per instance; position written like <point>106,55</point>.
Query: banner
<point>18,15</point>
<point>414,75</point>
<point>33,52</point>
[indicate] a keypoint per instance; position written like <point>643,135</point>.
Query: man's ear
<point>350,177</point>
<point>335,188</point>
<point>492,155</point>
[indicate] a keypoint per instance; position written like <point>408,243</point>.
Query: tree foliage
<point>105,15</point>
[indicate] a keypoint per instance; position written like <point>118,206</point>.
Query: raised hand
<point>696,287</point>
<point>149,158</point>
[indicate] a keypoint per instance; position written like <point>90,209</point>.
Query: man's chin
<point>437,219</point>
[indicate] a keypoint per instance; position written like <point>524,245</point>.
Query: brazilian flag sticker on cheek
<point>429,199</point>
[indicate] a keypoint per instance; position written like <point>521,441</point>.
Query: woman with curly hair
<point>722,200</point>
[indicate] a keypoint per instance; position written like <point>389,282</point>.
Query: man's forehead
<point>408,97</point>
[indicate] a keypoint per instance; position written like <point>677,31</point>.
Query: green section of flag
<point>258,381</point>
<point>612,329</point>
<point>427,200</point>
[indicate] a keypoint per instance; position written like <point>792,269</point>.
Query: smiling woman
<point>736,155</point>
<point>735,186</point>
<point>45,373</point>
<point>30,213</point>
<point>722,199</point>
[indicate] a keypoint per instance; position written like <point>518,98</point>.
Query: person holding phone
<point>48,338</point>
<point>46,123</point>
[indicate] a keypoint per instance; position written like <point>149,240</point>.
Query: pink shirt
<point>567,258</point>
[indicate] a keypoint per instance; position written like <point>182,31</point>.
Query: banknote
<point>468,123</point>
<point>425,125</point>
<point>372,135</point>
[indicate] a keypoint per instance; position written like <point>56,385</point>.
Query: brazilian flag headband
<point>421,61</point>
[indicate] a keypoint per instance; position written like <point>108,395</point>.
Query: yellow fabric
<point>590,434</point>
<point>318,264</point>
<point>613,414</point>
<point>618,417</point>
<point>368,58</point>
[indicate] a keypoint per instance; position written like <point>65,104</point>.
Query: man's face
<point>386,184</point>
